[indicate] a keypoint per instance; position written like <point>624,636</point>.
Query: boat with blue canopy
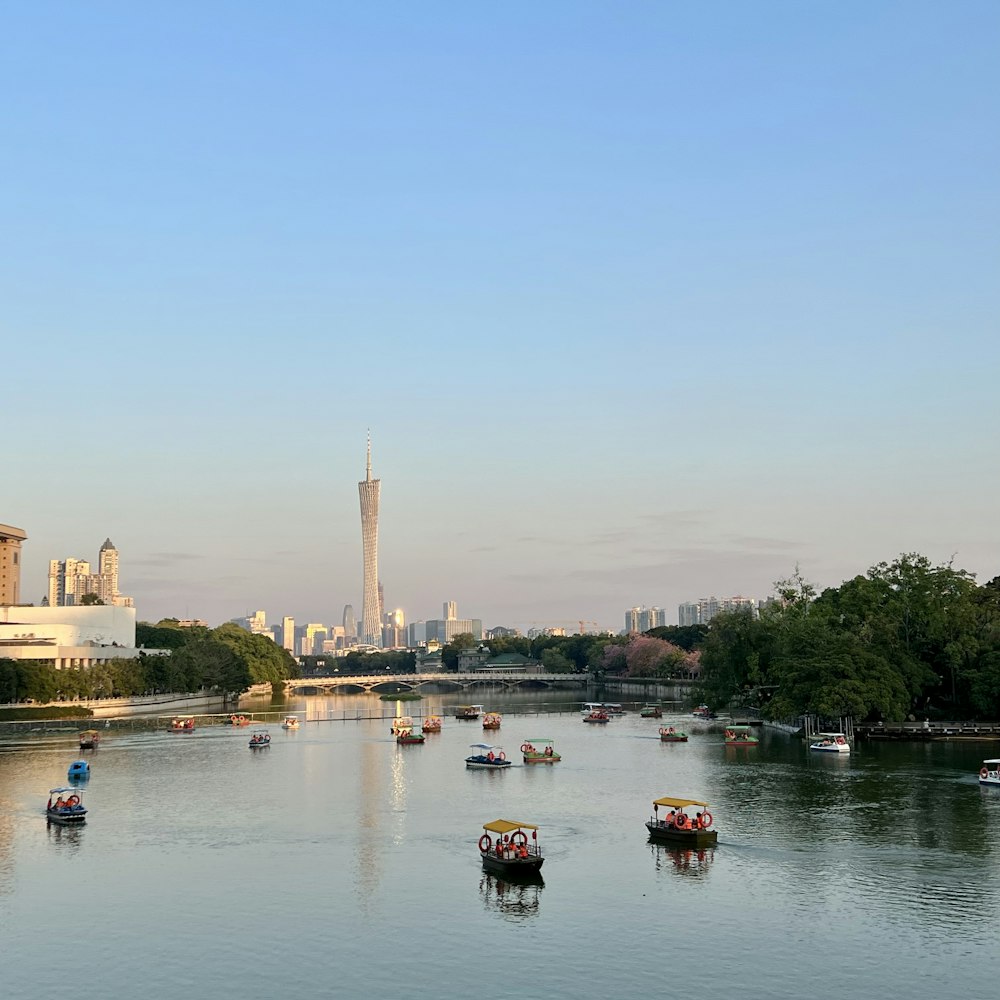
<point>486,757</point>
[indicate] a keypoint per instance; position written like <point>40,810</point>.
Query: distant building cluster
<point>71,580</point>
<point>703,611</point>
<point>643,619</point>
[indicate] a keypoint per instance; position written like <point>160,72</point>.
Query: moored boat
<point>668,734</point>
<point>89,739</point>
<point>543,753</point>
<point>492,720</point>
<point>259,739</point>
<point>432,724</point>
<point>468,712</point>
<point>408,737</point>
<point>66,809</point>
<point>487,758</point>
<point>989,773</point>
<point>513,852</point>
<point>291,722</point>
<point>182,724</point>
<point>650,712</point>
<point>740,736</point>
<point>830,743</point>
<point>678,826</point>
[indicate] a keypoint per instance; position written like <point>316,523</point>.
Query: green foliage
<point>88,600</point>
<point>689,637</point>
<point>556,662</point>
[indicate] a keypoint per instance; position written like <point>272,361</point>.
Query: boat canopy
<point>746,729</point>
<point>58,791</point>
<point>678,803</point>
<point>507,826</point>
<point>483,746</point>
<point>89,732</point>
<point>992,760</point>
<point>547,740</point>
<point>828,735</point>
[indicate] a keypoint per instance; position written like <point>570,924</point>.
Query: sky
<point>641,301</point>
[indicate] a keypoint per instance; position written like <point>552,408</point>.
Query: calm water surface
<point>336,863</point>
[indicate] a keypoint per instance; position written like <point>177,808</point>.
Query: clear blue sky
<point>641,301</point>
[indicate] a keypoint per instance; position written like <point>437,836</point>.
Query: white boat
<point>989,773</point>
<point>831,743</point>
<point>609,708</point>
<point>291,722</point>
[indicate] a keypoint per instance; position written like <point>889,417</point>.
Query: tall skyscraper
<point>10,564</point>
<point>371,611</point>
<point>70,580</point>
<point>350,622</point>
<point>450,609</point>
<point>288,633</point>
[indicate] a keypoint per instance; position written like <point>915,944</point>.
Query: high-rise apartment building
<point>703,611</point>
<point>10,564</point>
<point>71,579</point>
<point>371,611</point>
<point>288,634</point>
<point>643,619</point>
<point>450,610</point>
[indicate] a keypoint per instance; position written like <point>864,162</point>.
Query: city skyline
<point>640,304</point>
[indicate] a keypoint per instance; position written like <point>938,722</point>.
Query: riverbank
<point>113,708</point>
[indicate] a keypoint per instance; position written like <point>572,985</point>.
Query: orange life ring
<point>706,820</point>
<point>485,842</point>
<point>521,834</point>
<point>526,748</point>
<point>73,800</point>
<point>490,756</point>
<point>984,773</point>
<point>502,755</point>
<point>681,821</point>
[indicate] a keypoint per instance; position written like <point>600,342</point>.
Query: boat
<point>432,724</point>
<point>650,712</point>
<point>679,827</point>
<point>512,853</point>
<point>291,722</point>
<point>488,758</point>
<point>408,736</point>
<point>468,712</point>
<point>68,810</point>
<point>259,739</point>
<point>703,712</point>
<point>238,720</point>
<point>79,769</point>
<point>831,743</point>
<point>401,724</point>
<point>182,724</point>
<point>670,735</point>
<point>492,720</point>
<point>740,736</point>
<point>989,773</point>
<point>89,739</point>
<point>598,715</point>
<point>609,708</point>
<point>543,754</point>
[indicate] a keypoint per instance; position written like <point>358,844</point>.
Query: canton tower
<point>368,490</point>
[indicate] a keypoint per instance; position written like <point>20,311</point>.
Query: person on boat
<point>523,852</point>
<point>548,751</point>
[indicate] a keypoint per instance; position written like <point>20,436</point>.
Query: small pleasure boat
<point>492,720</point>
<point>831,743</point>
<point>650,712</point>
<point>238,720</point>
<point>182,724</point>
<point>487,758</point>
<point>609,708</point>
<point>468,712</point>
<point>66,809</point>
<point>408,737</point>
<point>599,716</point>
<point>989,773</point>
<point>542,754</point>
<point>89,739</point>
<point>678,826</point>
<point>259,739</point>
<point>79,769</point>
<point>670,735</point>
<point>291,722</point>
<point>432,724</point>
<point>401,724</point>
<point>512,853</point>
<point>703,712</point>
<point>740,736</point>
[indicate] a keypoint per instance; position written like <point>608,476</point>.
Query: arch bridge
<point>386,683</point>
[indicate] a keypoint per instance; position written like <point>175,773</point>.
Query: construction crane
<point>559,622</point>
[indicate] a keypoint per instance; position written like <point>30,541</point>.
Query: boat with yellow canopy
<point>686,823</point>
<point>512,852</point>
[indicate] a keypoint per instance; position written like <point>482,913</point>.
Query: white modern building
<point>68,636</point>
<point>703,611</point>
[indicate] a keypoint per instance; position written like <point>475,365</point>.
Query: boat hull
<point>816,748</point>
<point>742,743</point>
<point>74,818</point>
<point>681,838</point>
<point>486,765</point>
<point>410,740</point>
<point>597,722</point>
<point>673,739</point>
<point>541,758</point>
<point>511,866</point>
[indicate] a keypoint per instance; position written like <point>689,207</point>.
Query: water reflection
<point>683,861</point>
<point>65,838</point>
<point>514,898</point>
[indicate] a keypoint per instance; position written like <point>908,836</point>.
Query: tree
<point>88,600</point>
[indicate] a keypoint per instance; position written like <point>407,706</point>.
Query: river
<point>338,864</point>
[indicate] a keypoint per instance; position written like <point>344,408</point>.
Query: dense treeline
<point>906,639</point>
<point>227,659</point>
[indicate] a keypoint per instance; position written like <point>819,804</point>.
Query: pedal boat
<point>401,724</point>
<point>740,736</point>
<point>67,810</point>
<point>432,724</point>
<point>291,722</point>
<point>259,739</point>
<point>989,773</point>
<point>681,826</point>
<point>670,735</point>
<point>599,716</point>
<point>830,743</point>
<point>543,754</point>
<point>650,712</point>
<point>512,852</point>
<point>182,724</point>
<point>468,712</point>
<point>407,737</point>
<point>492,720</point>
<point>79,770</point>
<point>89,739</point>
<point>488,758</point>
